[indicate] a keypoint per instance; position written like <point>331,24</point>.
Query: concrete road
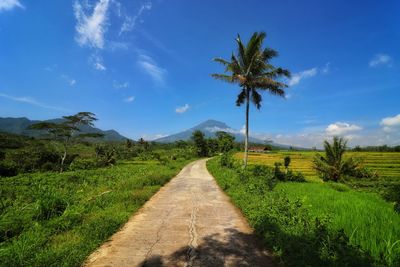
<point>189,222</point>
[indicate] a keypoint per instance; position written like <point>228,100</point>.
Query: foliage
<point>200,143</point>
<point>48,219</point>
<point>303,227</point>
<point>65,131</point>
<point>226,160</point>
<point>333,166</point>
<point>286,161</point>
<point>105,155</point>
<point>225,141</point>
<point>252,70</point>
<point>288,175</point>
<point>383,148</point>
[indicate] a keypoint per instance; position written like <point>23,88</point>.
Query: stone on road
<point>189,222</point>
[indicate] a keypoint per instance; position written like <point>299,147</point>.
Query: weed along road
<point>189,222</point>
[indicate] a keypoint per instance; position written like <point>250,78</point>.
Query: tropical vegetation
<point>252,70</point>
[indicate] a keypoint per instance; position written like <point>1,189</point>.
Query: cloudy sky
<point>144,66</point>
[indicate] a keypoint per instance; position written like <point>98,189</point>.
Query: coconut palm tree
<point>251,69</point>
<point>333,166</point>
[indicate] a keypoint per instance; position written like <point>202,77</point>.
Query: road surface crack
<point>191,252</point>
<point>158,236</point>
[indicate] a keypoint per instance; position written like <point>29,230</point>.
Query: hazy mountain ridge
<point>20,125</point>
<point>210,128</point>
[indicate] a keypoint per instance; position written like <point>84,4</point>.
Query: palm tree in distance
<point>251,69</point>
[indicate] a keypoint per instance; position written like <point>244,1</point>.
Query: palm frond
<point>241,52</point>
<point>256,98</point>
<point>222,61</point>
<point>224,77</point>
<point>241,97</point>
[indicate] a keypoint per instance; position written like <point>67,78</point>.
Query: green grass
<point>285,219</point>
<point>51,219</point>
<point>365,217</point>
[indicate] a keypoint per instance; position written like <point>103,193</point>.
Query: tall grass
<point>316,224</point>
<point>51,219</point>
<point>367,219</point>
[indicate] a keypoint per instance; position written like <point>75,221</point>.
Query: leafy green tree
<point>333,166</point>
<point>252,70</point>
<point>67,130</point>
<point>225,141</point>
<point>212,146</point>
<point>128,143</point>
<point>286,163</point>
<point>200,143</point>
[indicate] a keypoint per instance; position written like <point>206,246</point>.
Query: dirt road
<point>189,222</point>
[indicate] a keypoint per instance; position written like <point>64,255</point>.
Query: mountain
<point>20,125</point>
<point>209,128</point>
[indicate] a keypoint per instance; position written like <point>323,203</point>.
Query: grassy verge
<point>316,224</point>
<point>51,219</point>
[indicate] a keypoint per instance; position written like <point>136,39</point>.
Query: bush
<point>105,155</point>
<point>393,195</point>
<point>291,176</point>
<point>288,175</point>
<point>266,175</point>
<point>82,164</point>
<point>8,168</point>
<point>226,160</point>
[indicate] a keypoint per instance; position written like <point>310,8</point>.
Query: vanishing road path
<point>189,222</point>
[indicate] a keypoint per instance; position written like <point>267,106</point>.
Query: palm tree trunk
<point>246,139</point>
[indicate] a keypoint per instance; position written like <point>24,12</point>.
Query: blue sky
<point>143,67</point>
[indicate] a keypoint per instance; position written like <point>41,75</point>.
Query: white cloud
<point>341,128</point>
<point>391,121</point>
<point>117,85</point>
<point>391,124</point>
<point>150,67</point>
<point>129,99</point>
<point>6,5</point>
<point>380,60</point>
<point>91,28</point>
<point>130,22</point>
<point>69,80</point>
<point>326,68</point>
<point>31,101</point>
<point>297,77</point>
<point>99,66</point>
<point>182,109</point>
<point>97,62</point>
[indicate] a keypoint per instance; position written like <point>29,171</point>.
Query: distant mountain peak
<point>211,123</point>
<point>209,128</point>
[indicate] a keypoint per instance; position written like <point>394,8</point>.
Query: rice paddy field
<point>386,164</point>
<point>371,225</point>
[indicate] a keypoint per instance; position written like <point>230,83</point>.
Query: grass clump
<point>313,224</point>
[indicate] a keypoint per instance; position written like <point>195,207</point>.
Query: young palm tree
<point>251,69</point>
<point>333,166</point>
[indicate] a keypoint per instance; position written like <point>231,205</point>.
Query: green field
<point>47,219</point>
<point>386,164</point>
<point>285,218</point>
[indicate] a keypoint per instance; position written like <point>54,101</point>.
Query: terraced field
<point>386,164</point>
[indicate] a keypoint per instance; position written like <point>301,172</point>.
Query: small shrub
<point>8,168</point>
<point>82,164</point>
<point>292,176</point>
<point>226,160</point>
